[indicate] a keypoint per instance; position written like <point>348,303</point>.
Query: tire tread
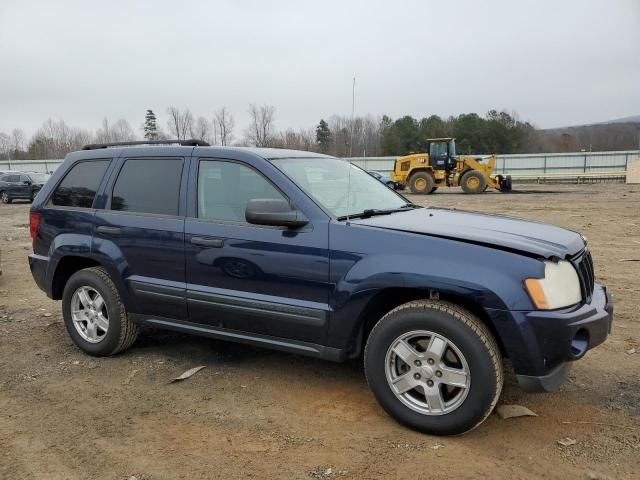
<point>129,330</point>
<point>472,322</point>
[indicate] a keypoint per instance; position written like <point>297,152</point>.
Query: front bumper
<point>542,344</point>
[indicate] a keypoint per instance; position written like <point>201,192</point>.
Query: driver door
<point>250,278</point>
<point>438,155</point>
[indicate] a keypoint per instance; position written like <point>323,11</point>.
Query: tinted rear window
<point>149,185</point>
<point>79,186</point>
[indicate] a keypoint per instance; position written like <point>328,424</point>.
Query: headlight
<point>559,288</point>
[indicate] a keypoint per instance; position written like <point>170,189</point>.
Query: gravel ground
<point>263,414</point>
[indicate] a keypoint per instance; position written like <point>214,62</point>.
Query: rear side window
<point>148,185</point>
<point>79,186</point>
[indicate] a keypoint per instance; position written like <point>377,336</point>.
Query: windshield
<point>39,177</point>
<point>339,187</point>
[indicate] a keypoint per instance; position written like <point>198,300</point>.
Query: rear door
<point>26,186</point>
<point>142,226</point>
<point>15,187</point>
<point>249,278</point>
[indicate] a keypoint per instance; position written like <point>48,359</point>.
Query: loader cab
<point>442,153</point>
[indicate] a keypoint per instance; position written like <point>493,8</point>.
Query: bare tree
<point>17,139</point>
<point>5,145</point>
<point>122,131</point>
<point>201,130</point>
<point>180,123</point>
<point>56,139</point>
<point>223,124</point>
<point>260,132</point>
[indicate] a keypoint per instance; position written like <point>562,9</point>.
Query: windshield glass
<point>39,177</point>
<point>339,187</point>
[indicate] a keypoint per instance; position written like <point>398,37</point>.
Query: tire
<point>473,182</point>
<point>421,183</point>
<point>508,184</point>
<point>391,185</point>
<point>121,331</point>
<point>470,344</point>
<point>5,198</point>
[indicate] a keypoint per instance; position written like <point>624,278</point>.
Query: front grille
<point>584,266</point>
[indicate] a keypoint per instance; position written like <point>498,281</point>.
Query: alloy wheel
<point>427,372</point>
<point>89,314</point>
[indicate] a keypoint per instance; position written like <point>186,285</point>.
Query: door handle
<point>108,230</point>
<point>207,242</point>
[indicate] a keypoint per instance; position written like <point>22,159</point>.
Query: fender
<point>489,277</point>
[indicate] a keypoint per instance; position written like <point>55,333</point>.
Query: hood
<point>509,233</point>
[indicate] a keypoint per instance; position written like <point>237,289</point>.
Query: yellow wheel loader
<point>441,167</point>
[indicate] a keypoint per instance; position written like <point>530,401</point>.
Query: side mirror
<point>274,212</point>
<point>27,182</point>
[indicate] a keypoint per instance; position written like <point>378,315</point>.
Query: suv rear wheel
<point>94,314</point>
<point>434,367</point>
<point>4,197</point>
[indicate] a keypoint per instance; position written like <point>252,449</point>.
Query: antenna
<point>348,189</point>
<point>353,109</point>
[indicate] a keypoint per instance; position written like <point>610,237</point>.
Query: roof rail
<point>185,143</point>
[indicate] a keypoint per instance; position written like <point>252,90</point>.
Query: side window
<point>225,188</point>
<point>79,186</point>
<point>24,178</point>
<point>13,178</point>
<point>148,185</point>
<point>438,149</point>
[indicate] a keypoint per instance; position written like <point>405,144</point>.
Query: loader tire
<point>505,184</point>
<point>421,183</point>
<point>473,182</point>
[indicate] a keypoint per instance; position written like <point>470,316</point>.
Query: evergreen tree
<point>323,136</point>
<point>150,127</point>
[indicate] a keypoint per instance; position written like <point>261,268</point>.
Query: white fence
<point>523,165</point>
<point>538,163</point>
<point>40,166</point>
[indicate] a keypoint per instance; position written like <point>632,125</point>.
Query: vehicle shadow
<point>192,350</point>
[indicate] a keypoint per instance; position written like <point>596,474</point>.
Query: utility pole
<point>353,109</point>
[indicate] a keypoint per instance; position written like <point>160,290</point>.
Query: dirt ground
<point>254,413</point>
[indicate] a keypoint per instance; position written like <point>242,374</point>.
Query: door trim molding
<point>259,308</point>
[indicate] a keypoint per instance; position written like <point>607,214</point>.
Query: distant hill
<point>632,119</point>
<point>619,134</point>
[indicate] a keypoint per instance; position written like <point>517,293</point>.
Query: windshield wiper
<point>372,212</point>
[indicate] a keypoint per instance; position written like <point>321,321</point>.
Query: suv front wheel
<point>434,367</point>
<point>94,314</point>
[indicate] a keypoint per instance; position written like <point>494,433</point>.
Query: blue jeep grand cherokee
<point>308,254</point>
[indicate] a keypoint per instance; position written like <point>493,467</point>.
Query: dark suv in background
<point>21,185</point>
<point>309,254</point>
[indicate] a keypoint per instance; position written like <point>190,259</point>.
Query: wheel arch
<point>387,299</point>
<point>67,265</point>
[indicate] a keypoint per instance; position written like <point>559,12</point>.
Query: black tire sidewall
<point>483,376</point>
<point>91,279</point>
<point>427,177</point>
<point>476,174</point>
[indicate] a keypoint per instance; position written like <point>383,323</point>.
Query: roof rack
<point>185,143</point>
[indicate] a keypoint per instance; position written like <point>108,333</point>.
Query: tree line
<point>495,132</point>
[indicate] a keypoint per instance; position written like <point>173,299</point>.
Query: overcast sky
<point>556,63</point>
